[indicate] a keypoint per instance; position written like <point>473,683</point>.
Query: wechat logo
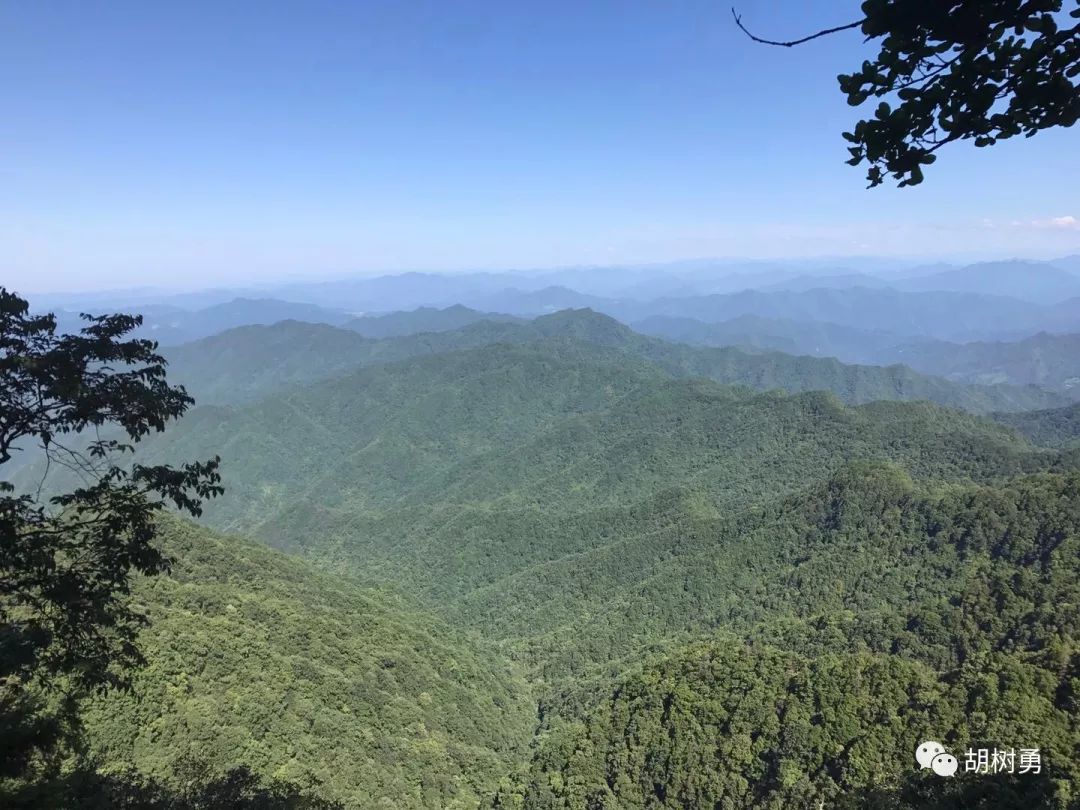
<point>933,755</point>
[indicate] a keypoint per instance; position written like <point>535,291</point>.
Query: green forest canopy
<point>564,572</point>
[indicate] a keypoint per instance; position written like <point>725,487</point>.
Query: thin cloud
<point>1065,223</point>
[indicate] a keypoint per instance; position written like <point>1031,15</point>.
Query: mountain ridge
<point>244,367</point>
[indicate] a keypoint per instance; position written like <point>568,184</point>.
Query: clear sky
<point>198,143</point>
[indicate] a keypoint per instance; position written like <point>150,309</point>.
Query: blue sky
<point>207,143</point>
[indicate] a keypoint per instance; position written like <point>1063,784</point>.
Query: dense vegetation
<point>536,446</point>
<point>1057,427</point>
<point>244,364</point>
<point>1049,361</point>
<point>878,614</point>
<point>552,565</point>
<point>256,659</point>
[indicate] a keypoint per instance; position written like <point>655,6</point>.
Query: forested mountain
<point>250,362</point>
<point>244,364</point>
<point>468,474</point>
<point>773,370</point>
<point>552,565</point>
<point>1048,361</point>
<point>1057,427</point>
<point>423,319</point>
<point>816,338</point>
<point>256,658</point>
<point>377,431</point>
<point>651,550</point>
<point>856,621</point>
<point>940,314</point>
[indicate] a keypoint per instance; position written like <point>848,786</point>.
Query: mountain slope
<point>875,615</point>
<point>1049,361</point>
<point>518,487</point>
<point>1057,427</point>
<point>256,658</point>
<point>244,364</point>
<point>249,362</point>
<point>424,319</point>
<point>791,337</point>
<point>853,384</point>
<point>718,596</point>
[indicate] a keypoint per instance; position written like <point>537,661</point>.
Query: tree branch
<point>794,42</point>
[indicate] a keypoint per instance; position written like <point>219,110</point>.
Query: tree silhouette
<point>66,625</point>
<point>955,70</point>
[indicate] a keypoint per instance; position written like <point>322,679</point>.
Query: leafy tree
<point>982,70</point>
<point>66,626</point>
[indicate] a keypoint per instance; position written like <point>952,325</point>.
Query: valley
<point>477,562</point>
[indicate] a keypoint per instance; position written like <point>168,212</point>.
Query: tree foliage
<point>982,70</point>
<point>957,70</point>
<point>66,626</point>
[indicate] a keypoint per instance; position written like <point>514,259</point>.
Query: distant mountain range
<point>170,325</point>
<point>423,319</point>
<point>250,362</point>
<point>1039,282</point>
<point>941,315</point>
<point>840,281</point>
<point>944,315</point>
<point>1050,361</point>
<point>815,338</point>
<point>1029,281</point>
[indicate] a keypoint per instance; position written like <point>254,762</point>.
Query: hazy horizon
<point>811,265</point>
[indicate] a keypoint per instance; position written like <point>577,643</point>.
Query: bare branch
<point>794,42</point>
